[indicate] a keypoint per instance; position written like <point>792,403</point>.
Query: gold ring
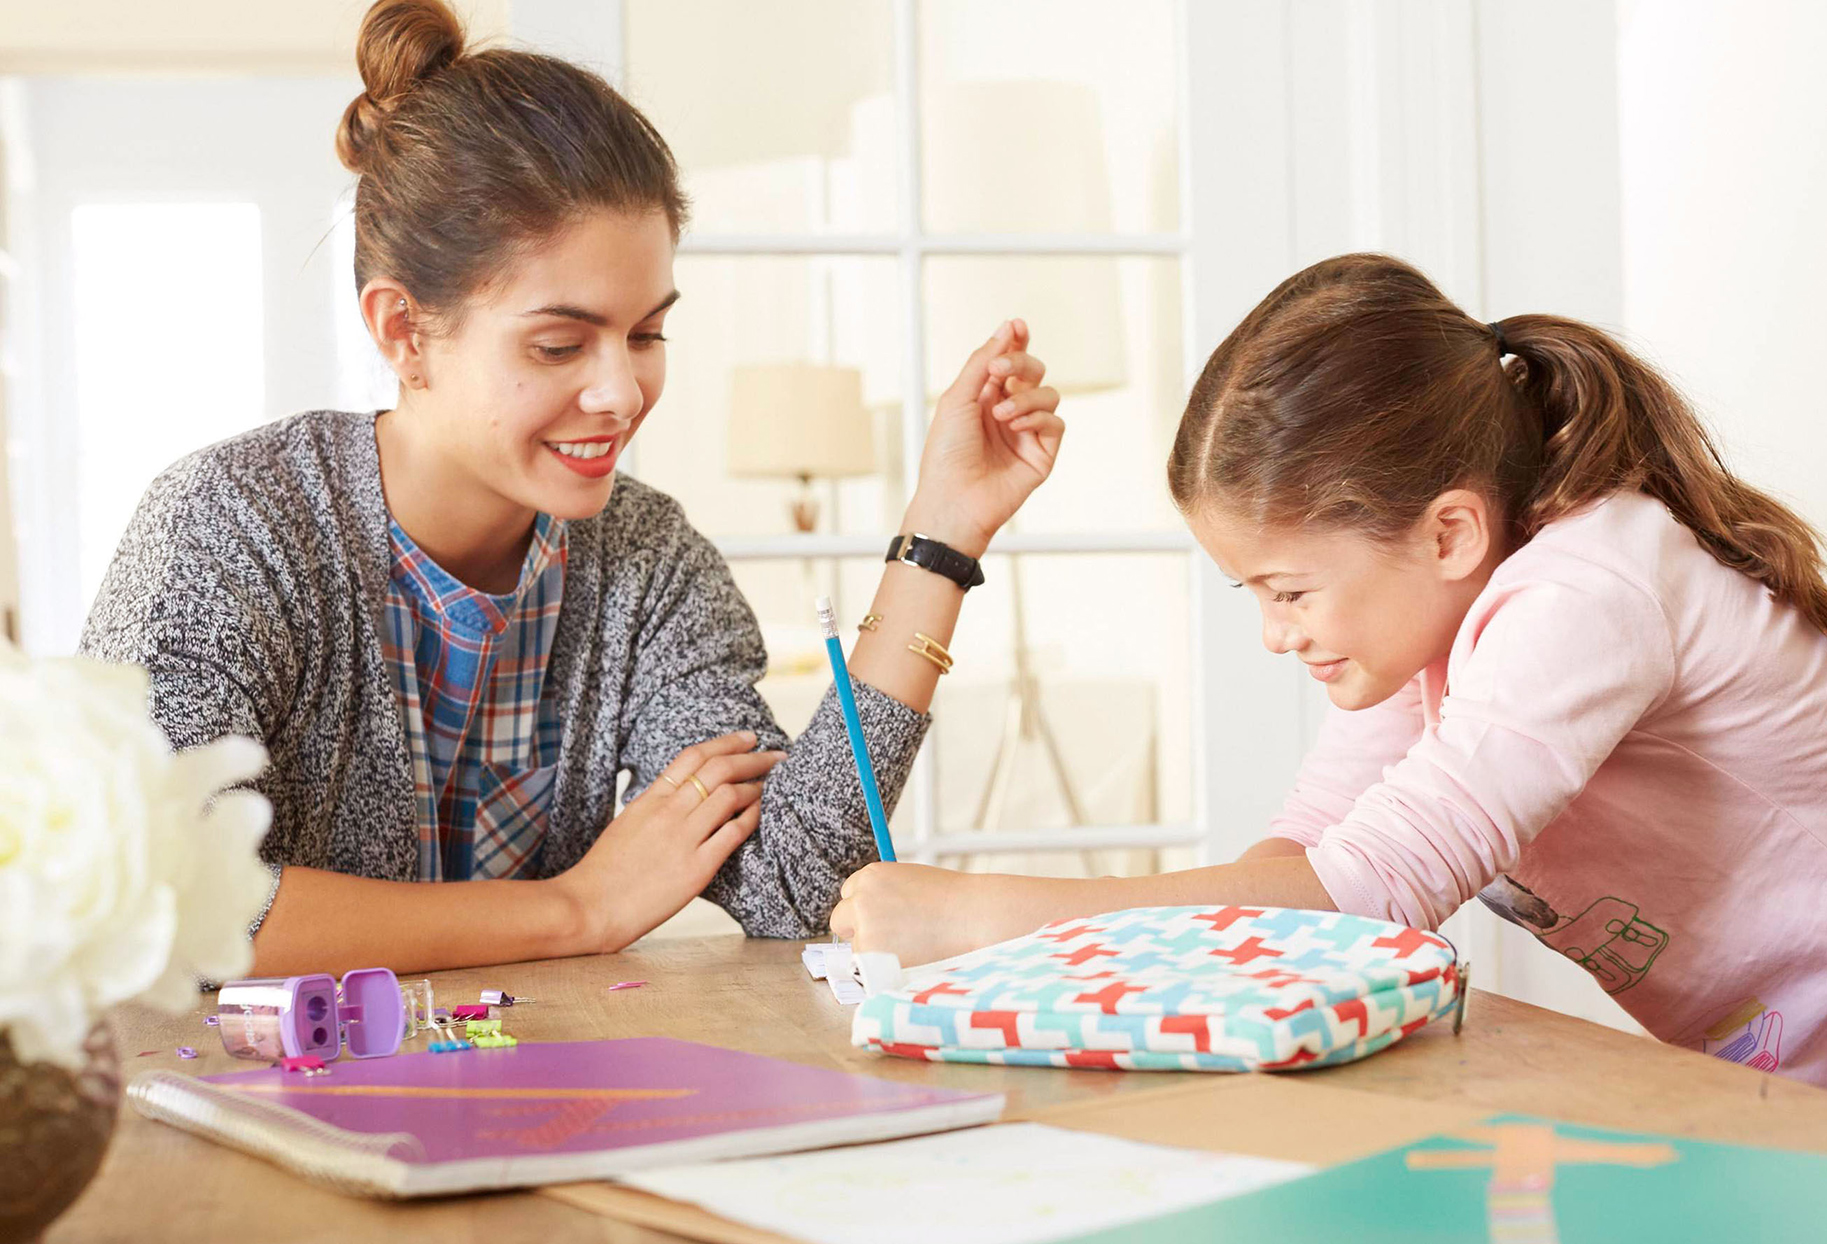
<point>697,781</point>
<point>670,780</point>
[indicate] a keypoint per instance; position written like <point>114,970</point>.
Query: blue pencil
<point>859,748</point>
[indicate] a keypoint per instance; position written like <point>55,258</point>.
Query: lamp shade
<point>799,419</point>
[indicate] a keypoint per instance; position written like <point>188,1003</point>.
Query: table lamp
<point>799,421</point>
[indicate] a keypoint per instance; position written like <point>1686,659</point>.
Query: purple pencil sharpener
<point>373,1013</point>
<point>308,1017</point>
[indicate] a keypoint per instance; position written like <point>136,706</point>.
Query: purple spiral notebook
<point>429,1124</point>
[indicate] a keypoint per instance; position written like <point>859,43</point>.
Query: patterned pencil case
<point>1174,989</point>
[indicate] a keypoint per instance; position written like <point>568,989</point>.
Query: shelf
<point>1117,244</point>
<point>1065,838</point>
<point>761,548</point>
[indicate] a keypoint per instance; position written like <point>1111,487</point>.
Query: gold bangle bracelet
<point>934,651</point>
<point>870,622</point>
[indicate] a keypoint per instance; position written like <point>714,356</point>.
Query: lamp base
<point>803,509</point>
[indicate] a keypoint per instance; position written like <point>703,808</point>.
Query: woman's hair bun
<point>402,42</point>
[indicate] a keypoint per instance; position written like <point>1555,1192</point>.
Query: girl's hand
<point>994,438</point>
<point>666,846</point>
<point>921,913</point>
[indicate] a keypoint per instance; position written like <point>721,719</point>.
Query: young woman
<point>1579,669</point>
<point>451,623</point>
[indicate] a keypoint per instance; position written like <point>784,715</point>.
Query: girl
<point>453,625</point>
<point>1579,669</point>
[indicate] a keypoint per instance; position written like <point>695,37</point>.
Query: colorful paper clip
<point>626,985</point>
<point>184,1051</point>
<point>448,1047</point>
<point>482,1027</point>
<point>495,997</point>
<point>309,1064</point>
<point>469,1012</point>
<point>495,1041</point>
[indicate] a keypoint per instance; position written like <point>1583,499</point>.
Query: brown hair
<point>1356,393</point>
<point>466,159</point>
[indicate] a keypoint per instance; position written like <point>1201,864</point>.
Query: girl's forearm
<point>1016,905</point>
<point>1272,848</point>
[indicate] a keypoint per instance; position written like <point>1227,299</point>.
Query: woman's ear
<point>393,322</point>
<point>1458,527</point>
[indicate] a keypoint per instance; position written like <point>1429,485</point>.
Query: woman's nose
<point>614,392</point>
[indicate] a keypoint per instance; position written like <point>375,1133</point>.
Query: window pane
<point>782,593</point>
<point>1106,642</point>
<point>1053,116</point>
<point>363,379</point>
<point>777,366</point>
<point>1109,332</point>
<point>784,120</point>
<point>166,360</point>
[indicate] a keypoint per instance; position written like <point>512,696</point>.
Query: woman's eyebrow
<point>570,311</point>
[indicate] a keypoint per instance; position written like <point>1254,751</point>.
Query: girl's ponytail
<point>1609,421</point>
<point>1356,393</point>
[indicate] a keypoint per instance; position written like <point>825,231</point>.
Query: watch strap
<point>935,555</point>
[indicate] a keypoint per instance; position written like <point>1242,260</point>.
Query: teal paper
<point>1710,1192</point>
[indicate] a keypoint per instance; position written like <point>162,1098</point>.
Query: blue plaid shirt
<point>468,670</point>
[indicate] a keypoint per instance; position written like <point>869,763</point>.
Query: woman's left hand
<point>993,440</point>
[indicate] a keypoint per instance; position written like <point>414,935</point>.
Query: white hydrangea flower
<point>119,878</point>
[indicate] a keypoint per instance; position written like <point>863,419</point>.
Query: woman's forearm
<point>331,922</point>
<point>910,600</point>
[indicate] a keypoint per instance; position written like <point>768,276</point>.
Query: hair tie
<point>1503,347</point>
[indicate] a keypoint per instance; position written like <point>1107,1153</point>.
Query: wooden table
<point>161,1184</point>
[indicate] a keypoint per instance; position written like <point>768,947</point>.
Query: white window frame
<point>1238,767</point>
<point>1307,128</point>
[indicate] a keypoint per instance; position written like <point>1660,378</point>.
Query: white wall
<point>1723,116</point>
<point>202,36</point>
<point>1552,241</point>
<point>1479,141</point>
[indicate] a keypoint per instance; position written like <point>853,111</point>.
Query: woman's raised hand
<point>993,440</point>
<point>666,845</point>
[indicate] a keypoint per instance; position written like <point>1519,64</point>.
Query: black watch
<point>929,554</point>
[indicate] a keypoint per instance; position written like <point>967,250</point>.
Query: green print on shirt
<point>1607,939</point>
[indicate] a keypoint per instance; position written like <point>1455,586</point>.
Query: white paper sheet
<point>1017,1183</point>
<point>813,956</point>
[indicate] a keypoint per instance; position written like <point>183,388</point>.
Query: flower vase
<point>54,1129</point>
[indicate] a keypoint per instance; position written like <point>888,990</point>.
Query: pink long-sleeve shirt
<point>1626,752</point>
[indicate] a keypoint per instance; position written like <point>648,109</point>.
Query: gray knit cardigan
<point>251,583</point>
